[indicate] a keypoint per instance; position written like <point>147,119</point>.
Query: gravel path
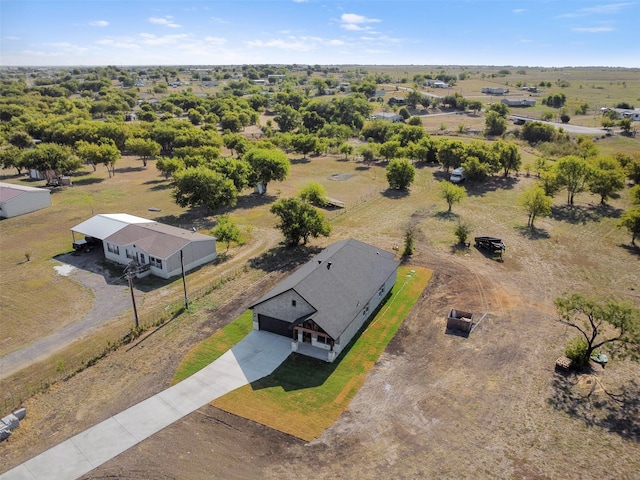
<point>109,300</point>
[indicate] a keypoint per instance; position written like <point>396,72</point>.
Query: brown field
<point>436,405</point>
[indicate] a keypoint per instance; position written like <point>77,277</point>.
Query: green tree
<point>168,166</point>
<point>368,153</point>
<point>288,118</point>
<point>631,221</point>
<point>534,132</point>
<point>238,171</point>
<point>299,220</point>
<point>495,124</point>
<point>536,203</point>
<point>313,193</point>
<point>12,157</point>
<point>634,194</point>
<point>202,187</point>
<point>304,143</point>
<point>409,242</point>
<point>606,178</point>
<point>413,98</point>
<point>508,156</point>
<point>462,232</point>
<point>390,150</point>
<point>226,231</point>
<point>268,165</point>
<point>573,173</point>
<point>51,157</point>
<point>625,125</point>
<point>451,153</point>
<point>400,174</point>
<point>612,323</point>
<point>21,140</point>
<point>451,193</point>
<point>346,149</point>
<point>145,148</point>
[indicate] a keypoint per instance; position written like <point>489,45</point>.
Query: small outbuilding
<point>324,304</point>
<point>20,199</point>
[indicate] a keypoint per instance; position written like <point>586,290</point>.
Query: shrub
<point>576,351</point>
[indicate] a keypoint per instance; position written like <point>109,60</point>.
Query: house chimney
<point>319,262</point>
<point>328,265</point>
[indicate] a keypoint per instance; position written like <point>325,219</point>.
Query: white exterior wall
<point>281,307</point>
<point>26,202</point>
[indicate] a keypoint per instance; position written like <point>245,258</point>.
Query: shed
<point>20,199</point>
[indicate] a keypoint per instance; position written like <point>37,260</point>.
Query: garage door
<point>273,325</point>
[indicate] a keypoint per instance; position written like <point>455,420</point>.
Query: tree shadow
<point>631,248</point>
<point>131,169</point>
<point>88,181</point>
<point>446,215</point>
<point>194,218</point>
<point>283,258</point>
<point>491,184</point>
<point>395,194</point>
<point>574,214</point>
<point>532,233</point>
<point>584,397</point>
<point>156,182</point>
<point>299,161</point>
<point>159,187</point>
<point>363,167</point>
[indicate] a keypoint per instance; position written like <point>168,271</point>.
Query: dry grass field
<point>435,405</point>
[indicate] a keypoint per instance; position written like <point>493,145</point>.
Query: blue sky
<point>394,32</point>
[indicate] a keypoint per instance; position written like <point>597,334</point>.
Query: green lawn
<point>304,396</point>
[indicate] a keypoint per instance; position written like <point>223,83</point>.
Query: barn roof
<point>338,282</point>
<point>10,190</point>
<point>103,225</point>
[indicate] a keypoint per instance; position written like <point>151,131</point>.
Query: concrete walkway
<point>256,356</point>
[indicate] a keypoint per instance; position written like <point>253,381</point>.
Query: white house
<point>157,248</point>
<point>325,303</point>
<point>495,90</point>
<point>19,199</point>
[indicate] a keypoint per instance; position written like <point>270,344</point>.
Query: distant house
<point>157,248</point>
<point>518,102</point>
<point>323,304</point>
<point>495,90</point>
<point>259,82</point>
<point>399,101</point>
<point>634,115</point>
<point>437,84</point>
<point>388,116</point>
<point>209,83</point>
<point>20,199</point>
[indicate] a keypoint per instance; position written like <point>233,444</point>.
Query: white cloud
<point>593,29</point>
<point>166,21</point>
<point>300,1</point>
<point>354,22</point>
<point>154,40</point>
<point>99,23</point>
<point>335,43</point>
<point>124,43</point>
<point>607,8</point>
<point>218,20</point>
<point>296,45</point>
<point>215,40</point>
<point>519,10</point>
<point>10,37</point>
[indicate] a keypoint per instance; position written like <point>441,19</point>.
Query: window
<point>293,303</point>
<point>155,262</point>
<point>142,258</point>
<point>323,340</point>
<point>129,254</point>
<point>381,292</point>
<point>113,248</point>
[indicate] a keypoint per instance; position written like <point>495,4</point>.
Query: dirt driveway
<point>110,298</point>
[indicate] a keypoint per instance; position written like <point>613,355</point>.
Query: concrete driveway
<point>256,356</point>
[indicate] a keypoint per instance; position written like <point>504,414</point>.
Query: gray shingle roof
<point>338,282</point>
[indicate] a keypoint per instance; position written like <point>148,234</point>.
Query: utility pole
<point>184,283</point>
<point>130,270</point>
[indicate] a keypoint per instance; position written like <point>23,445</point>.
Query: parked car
<point>457,176</point>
